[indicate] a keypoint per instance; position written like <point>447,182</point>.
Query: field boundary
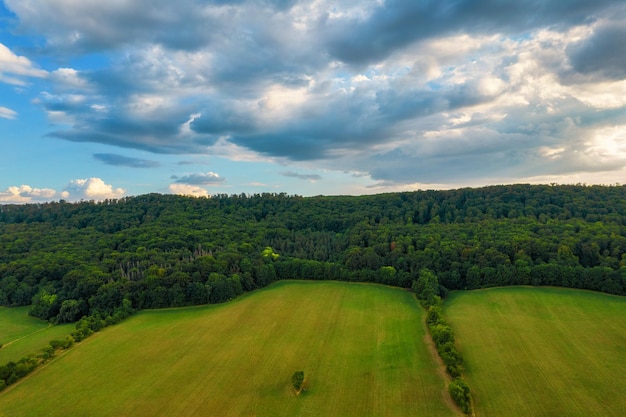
<point>441,369</point>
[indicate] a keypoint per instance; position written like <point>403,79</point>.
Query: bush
<point>460,393</point>
<point>433,315</point>
<point>441,334</point>
<point>452,359</point>
<point>297,380</point>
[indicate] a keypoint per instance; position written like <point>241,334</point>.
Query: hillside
<point>72,259</point>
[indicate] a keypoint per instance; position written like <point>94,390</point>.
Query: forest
<point>108,258</point>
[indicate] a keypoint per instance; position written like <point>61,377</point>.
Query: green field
<point>21,334</point>
<point>542,351</point>
<point>361,346</point>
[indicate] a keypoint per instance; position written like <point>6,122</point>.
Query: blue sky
<point>105,99</point>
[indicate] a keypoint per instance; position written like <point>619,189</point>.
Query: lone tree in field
<point>297,380</point>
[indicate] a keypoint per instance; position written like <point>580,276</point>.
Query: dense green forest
<point>98,258</point>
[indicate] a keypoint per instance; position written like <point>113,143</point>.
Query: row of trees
<point>428,292</point>
<point>11,372</point>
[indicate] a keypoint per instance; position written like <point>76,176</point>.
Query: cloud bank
<point>444,92</point>
<point>25,194</point>
<point>75,190</point>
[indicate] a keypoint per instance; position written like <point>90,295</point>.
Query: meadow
<point>21,334</point>
<point>362,348</point>
<point>542,351</point>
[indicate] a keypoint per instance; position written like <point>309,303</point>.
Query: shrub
<point>460,393</point>
<point>441,334</point>
<point>297,380</point>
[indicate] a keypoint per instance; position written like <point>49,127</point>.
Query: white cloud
<point>69,78</point>
<point>340,85</point>
<point>26,194</point>
<point>190,190</point>
<point>200,178</point>
<point>91,189</point>
<point>6,113</point>
<point>17,66</point>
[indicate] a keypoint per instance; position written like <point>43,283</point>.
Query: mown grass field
<point>542,351</point>
<point>21,334</point>
<point>361,347</point>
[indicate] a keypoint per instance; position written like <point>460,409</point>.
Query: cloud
<point>25,194</point>
<point>91,189</point>
<point>398,23</point>
<point>14,67</point>
<point>190,190</point>
<point>200,179</point>
<point>401,92</point>
<point>603,53</point>
<point>308,177</point>
<point>6,113</point>
<point>120,160</point>
<point>69,78</point>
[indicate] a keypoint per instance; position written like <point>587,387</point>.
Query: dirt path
<point>441,369</point>
<point>25,336</point>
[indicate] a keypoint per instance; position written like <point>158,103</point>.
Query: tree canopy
<point>74,259</point>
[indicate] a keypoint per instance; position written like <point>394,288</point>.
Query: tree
<point>460,393</point>
<point>297,380</point>
<point>71,311</point>
<point>426,287</point>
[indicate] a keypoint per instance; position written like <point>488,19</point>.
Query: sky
<point>107,99</point>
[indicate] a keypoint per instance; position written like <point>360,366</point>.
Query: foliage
<point>70,260</point>
<point>460,393</point>
<point>12,372</point>
<point>297,381</point>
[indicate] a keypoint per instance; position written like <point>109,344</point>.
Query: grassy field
<point>361,347</point>
<point>21,334</point>
<point>542,351</point>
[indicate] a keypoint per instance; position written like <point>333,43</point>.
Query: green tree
<point>426,287</point>
<point>297,380</point>
<point>460,393</point>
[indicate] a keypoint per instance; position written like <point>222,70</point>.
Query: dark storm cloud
<point>399,23</point>
<point>604,53</point>
<point>120,160</point>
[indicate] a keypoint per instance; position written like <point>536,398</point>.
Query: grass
<point>542,351</point>
<point>361,347</point>
<point>21,334</point>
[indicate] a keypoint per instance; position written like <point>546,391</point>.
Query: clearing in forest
<point>542,351</point>
<point>360,346</point>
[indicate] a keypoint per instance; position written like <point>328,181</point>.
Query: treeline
<point>70,260</point>
<point>11,372</point>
